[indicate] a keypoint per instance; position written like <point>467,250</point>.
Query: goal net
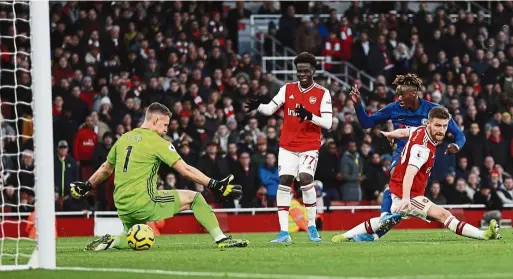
<point>26,170</point>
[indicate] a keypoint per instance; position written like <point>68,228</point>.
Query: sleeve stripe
<point>275,102</point>
<point>327,112</point>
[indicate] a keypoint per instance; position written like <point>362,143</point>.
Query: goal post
<point>43,134</point>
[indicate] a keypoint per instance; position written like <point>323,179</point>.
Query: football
<point>141,237</point>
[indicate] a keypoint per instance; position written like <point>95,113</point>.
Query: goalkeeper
<point>136,158</point>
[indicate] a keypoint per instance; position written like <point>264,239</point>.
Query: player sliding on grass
<point>408,111</point>
<point>136,158</point>
<point>409,180</point>
<point>307,109</point>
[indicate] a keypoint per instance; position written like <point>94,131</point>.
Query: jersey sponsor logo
<point>171,147</point>
<point>312,100</point>
<point>291,112</point>
<point>134,138</point>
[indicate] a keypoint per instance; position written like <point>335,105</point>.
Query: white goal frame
<point>44,253</point>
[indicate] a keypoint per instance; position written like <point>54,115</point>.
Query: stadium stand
<point>109,61</point>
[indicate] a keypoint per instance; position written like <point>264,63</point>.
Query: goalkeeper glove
<point>252,104</point>
<point>224,190</point>
<point>79,189</point>
<point>303,114</point>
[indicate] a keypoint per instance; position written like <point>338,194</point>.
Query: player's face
<point>438,128</point>
<point>161,124</point>
<point>305,74</point>
<point>405,97</point>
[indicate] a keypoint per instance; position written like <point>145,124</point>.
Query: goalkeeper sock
<point>309,200</point>
<point>369,227</point>
<point>283,201</point>
<point>206,217</point>
<point>118,243</point>
<point>462,228</point>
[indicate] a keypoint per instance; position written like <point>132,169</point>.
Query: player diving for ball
<point>411,174</point>
<point>307,109</point>
<point>409,111</point>
<point>136,158</point>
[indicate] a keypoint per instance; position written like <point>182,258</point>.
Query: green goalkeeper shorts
<point>165,204</point>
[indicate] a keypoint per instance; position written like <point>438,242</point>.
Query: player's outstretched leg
<point>309,200</point>
<point>445,217</point>
<point>283,198</point>
<point>206,217</point>
<point>366,231</point>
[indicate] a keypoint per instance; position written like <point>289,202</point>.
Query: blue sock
<point>381,233</point>
<point>387,201</point>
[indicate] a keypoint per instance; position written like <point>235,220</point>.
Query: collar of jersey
<point>303,90</point>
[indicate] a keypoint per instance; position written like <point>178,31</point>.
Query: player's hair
<point>409,80</point>
<point>157,108</point>
<point>306,57</point>
<point>439,113</point>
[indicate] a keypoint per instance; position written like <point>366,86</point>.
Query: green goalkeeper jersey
<point>137,156</point>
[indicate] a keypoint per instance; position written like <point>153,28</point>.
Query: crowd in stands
<point>110,61</point>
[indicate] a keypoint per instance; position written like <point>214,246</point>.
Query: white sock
<point>462,228</point>
<point>369,226</point>
<point>309,200</point>
<point>116,242</point>
<point>217,234</point>
<point>283,199</point>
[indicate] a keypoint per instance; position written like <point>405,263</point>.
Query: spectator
<point>307,38</point>
<point>65,172</point>
<point>259,157</point>
<point>288,25</point>
<point>352,170</point>
<point>246,175</point>
<point>268,175</point>
<point>105,190</point>
<point>505,193</point>
<point>488,197</point>
<point>84,144</point>
<point>474,148</point>
<point>473,185</point>
<point>211,165</point>
<point>375,179</point>
<point>460,195</point>
<point>497,147</point>
<point>328,170</point>
<point>435,195</point>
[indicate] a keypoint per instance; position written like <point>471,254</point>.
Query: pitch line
<point>281,276</point>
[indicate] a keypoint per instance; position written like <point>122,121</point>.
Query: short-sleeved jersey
<point>305,136</point>
<point>137,156</point>
<point>420,152</point>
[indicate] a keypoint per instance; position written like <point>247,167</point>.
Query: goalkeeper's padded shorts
<point>165,205</point>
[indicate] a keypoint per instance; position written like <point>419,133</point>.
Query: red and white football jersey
<point>305,136</point>
<point>419,151</point>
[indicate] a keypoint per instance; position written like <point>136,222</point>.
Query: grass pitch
<point>419,254</point>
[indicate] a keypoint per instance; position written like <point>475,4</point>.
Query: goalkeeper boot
<point>283,237</point>
<point>313,235</point>
<point>387,221</point>
<point>493,231</point>
<point>103,243</point>
<point>229,242</point>
<point>366,237</point>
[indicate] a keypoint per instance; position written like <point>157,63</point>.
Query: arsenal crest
<point>312,100</point>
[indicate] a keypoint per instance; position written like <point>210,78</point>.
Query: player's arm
<point>167,153</point>
<point>271,107</point>
<point>369,121</point>
<point>397,134</point>
<point>459,137</point>
<point>79,188</point>
<point>325,119</point>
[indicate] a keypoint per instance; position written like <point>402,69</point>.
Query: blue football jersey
<point>404,118</point>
